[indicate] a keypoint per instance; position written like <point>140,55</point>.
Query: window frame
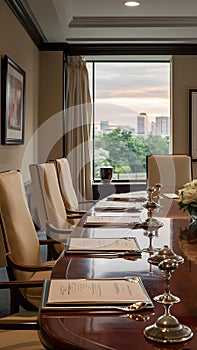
<point>133,59</point>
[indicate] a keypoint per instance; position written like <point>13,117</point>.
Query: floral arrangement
<point>188,197</point>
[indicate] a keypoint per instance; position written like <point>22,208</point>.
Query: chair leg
<point>51,252</point>
<point>14,306</point>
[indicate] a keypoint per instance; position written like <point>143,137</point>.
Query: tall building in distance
<point>142,124</point>
<point>104,125</point>
<point>162,126</point>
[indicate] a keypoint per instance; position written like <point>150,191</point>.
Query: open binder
<point>74,294</point>
<point>102,245</point>
<point>112,221</point>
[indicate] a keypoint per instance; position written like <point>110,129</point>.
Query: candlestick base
<point>167,329</point>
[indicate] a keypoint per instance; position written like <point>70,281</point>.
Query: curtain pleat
<point>78,125</point>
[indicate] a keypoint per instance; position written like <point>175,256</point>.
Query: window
<point>131,115</point>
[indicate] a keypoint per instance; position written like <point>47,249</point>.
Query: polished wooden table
<point>96,331</point>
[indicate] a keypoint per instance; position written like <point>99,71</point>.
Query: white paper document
<point>112,205</point>
<point>171,195</point>
<point>112,220</point>
<point>97,291</point>
<point>102,244</point>
<point>127,197</point>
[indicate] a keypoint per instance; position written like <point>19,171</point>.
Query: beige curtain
<point>78,116</point>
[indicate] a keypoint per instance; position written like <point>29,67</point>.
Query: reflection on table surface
<point>68,330</point>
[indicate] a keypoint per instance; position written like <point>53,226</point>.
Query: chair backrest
<point>66,184</point>
<point>19,233</point>
<point>49,202</point>
<point>172,171</point>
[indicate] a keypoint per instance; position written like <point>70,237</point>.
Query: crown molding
<point>148,40</point>
<point>131,49</point>
<point>150,46</point>
<point>25,16</point>
<point>111,22</point>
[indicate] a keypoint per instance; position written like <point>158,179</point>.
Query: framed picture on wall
<point>193,123</point>
<point>13,103</point>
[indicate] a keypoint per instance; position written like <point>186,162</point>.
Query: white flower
<point>188,196</point>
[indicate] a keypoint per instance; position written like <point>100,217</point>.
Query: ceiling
<point>109,21</point>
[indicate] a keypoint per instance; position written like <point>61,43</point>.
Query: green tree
<point>127,150</point>
<point>158,144</point>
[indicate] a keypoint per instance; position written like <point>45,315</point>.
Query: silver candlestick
<point>168,261</point>
<point>151,224</point>
<point>150,205</point>
<point>167,328</point>
<point>168,266</point>
<point>158,196</point>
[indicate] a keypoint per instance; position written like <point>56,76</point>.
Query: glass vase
<point>193,215</point>
<point>193,224</point>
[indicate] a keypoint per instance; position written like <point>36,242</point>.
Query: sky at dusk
<point>125,89</point>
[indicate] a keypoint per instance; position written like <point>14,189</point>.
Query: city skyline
<point>160,126</point>
<point>126,89</point>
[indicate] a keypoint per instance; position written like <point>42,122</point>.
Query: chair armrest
<point>86,204</point>
<point>89,201</point>
<point>20,284</point>
<point>74,216</point>
<point>25,320</point>
<point>76,212</point>
<point>50,228</point>
<point>49,241</point>
<point>30,268</point>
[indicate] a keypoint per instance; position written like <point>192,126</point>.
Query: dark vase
<point>106,173</point>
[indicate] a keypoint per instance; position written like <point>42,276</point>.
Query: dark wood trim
<point>131,49</point>
<point>101,190</point>
<point>121,49</point>
<point>28,22</point>
<point>132,21</point>
<point>64,106</point>
<point>54,47</point>
<point>191,124</point>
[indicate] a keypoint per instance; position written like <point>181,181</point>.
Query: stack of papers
<point>89,245</point>
<point>119,206</point>
<point>171,195</point>
<point>127,197</point>
<point>112,220</point>
<point>73,292</point>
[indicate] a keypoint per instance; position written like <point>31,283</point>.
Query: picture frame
<point>13,103</point>
<point>193,123</point>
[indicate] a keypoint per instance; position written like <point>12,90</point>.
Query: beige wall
<point>50,106</point>
<point>184,77</point>
<point>17,45</point>
<point>43,102</point>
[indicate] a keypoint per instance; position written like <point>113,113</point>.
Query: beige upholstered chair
<point>50,206</point>
<point>21,244</point>
<point>19,340</point>
<point>172,171</point>
<point>19,330</point>
<point>67,189</point>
